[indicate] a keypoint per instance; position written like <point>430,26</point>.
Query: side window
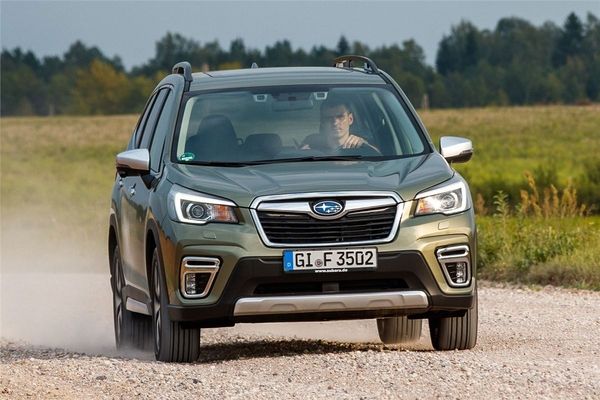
<point>160,133</point>
<point>135,140</point>
<point>152,118</point>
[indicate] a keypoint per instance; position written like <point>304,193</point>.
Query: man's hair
<point>336,101</point>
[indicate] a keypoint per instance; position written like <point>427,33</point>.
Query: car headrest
<point>215,140</point>
<point>217,127</point>
<point>267,143</point>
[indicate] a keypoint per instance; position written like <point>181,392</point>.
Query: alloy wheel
<point>156,298</point>
<point>118,298</point>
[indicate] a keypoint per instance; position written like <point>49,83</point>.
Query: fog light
<point>461,272</point>
<point>195,283</point>
<point>190,283</point>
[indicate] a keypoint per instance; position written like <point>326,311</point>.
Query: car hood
<point>406,176</point>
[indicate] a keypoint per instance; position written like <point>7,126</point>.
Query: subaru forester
<point>289,194</point>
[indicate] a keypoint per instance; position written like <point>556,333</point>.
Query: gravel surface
<point>533,343</point>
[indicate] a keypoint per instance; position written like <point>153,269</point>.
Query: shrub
<point>589,184</point>
<point>551,203</point>
<point>542,235</point>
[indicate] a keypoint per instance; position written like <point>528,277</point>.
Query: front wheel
<point>397,330</point>
<point>455,333</point>
<point>172,343</point>
<point>132,330</point>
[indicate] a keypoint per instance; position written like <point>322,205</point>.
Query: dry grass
<point>57,173</point>
<point>550,140</point>
<point>56,177</point>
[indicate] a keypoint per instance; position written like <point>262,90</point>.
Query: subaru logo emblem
<point>327,208</point>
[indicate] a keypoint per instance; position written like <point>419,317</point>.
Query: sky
<point>130,29</point>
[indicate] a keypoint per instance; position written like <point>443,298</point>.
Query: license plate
<point>330,260</point>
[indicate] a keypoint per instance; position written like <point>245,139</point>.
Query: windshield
<point>278,124</point>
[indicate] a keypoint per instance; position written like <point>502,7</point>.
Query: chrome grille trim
<point>303,207</point>
<point>358,201</point>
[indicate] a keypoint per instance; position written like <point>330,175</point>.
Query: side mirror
<point>133,162</point>
<point>456,149</point>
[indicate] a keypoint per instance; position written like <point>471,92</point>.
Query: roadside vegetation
<point>545,239</point>
<point>557,144</point>
<point>535,178</point>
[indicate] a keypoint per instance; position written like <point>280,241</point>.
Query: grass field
<point>555,143</point>
<point>57,173</point>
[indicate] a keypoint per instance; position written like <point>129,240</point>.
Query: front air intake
<point>456,265</point>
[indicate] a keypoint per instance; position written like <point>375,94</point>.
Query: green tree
<point>59,93</point>
<point>237,52</point>
<point>80,56</point>
<point>570,40</point>
<point>438,95</point>
<point>139,89</point>
<point>343,47</point>
<point>280,54</point>
<point>573,76</point>
<point>169,50</point>
<point>459,50</point>
<point>23,91</point>
<point>591,50</point>
<point>100,89</point>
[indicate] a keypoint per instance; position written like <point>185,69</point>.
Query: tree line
<point>516,63</point>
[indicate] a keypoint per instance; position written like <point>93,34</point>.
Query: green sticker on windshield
<point>187,157</point>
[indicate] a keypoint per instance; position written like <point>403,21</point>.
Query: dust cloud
<point>55,292</point>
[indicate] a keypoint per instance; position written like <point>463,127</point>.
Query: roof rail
<point>346,62</point>
<point>183,68</point>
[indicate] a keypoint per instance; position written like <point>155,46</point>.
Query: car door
<point>134,200</point>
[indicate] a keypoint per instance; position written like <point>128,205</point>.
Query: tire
<point>396,330</point>
<point>455,333</point>
<point>132,330</point>
<point>172,343</point>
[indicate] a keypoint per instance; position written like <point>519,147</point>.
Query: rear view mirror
<point>456,149</point>
<point>133,162</point>
<point>292,101</point>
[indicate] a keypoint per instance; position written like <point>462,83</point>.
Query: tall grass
<point>556,143</point>
<point>56,175</point>
<point>542,240</point>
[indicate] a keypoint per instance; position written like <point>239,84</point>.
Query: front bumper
<point>400,300</point>
<point>403,283</point>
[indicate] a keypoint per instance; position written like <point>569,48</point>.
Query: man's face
<point>336,121</point>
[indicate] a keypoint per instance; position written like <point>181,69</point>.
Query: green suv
<point>289,194</point>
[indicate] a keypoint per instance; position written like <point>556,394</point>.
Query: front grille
<point>357,226</point>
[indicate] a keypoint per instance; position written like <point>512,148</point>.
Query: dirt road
<point>532,344</point>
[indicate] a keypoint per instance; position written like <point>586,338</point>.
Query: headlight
<point>450,199</point>
<point>195,208</point>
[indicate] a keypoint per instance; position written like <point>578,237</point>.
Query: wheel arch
<point>113,240</point>
<point>152,242</point>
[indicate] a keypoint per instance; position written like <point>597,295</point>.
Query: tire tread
<point>455,333</point>
<point>179,344</point>
<point>397,330</point>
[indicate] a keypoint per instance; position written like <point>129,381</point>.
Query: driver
<point>334,134</point>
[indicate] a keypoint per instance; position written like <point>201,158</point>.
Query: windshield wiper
<point>310,158</point>
<point>273,161</point>
<point>217,163</point>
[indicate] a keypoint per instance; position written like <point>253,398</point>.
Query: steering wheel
<point>365,150</point>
